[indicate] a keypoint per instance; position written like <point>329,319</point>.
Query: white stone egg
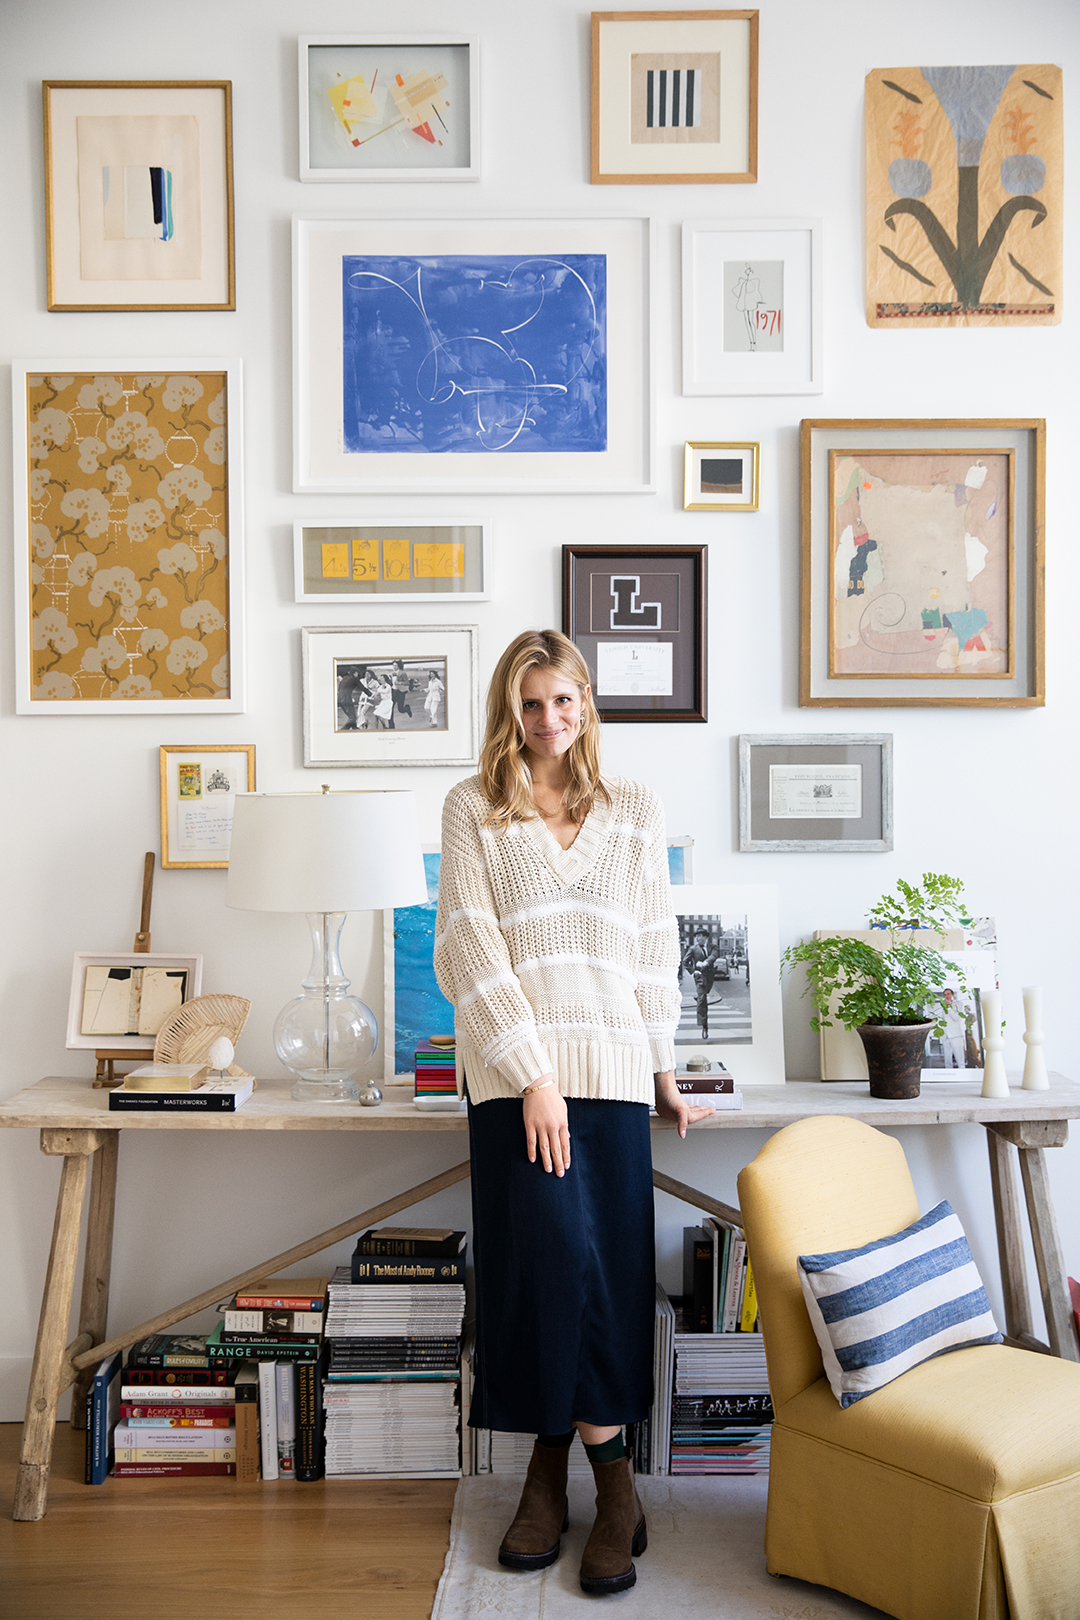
<point>221,1053</point>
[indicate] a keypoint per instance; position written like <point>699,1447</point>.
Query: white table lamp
<point>325,854</point>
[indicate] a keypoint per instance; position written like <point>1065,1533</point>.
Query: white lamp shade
<point>325,852</point>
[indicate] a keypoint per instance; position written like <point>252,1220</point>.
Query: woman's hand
<point>546,1129</point>
<point>671,1104</point>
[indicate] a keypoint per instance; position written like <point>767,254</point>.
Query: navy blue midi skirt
<point>565,1270</point>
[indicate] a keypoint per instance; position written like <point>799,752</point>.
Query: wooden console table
<point>75,1124</point>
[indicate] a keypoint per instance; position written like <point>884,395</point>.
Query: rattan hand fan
<point>188,1035</point>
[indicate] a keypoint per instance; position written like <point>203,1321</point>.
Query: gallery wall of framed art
<point>375,484</point>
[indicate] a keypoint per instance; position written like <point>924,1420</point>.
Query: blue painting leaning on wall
<point>474,352</point>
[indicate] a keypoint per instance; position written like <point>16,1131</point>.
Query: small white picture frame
<point>416,107</point>
<point>77,1041</point>
<point>737,971</point>
<point>752,306</point>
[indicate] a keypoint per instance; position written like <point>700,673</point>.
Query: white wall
<point>989,795</point>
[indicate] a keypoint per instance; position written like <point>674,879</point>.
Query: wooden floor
<point>160,1549</point>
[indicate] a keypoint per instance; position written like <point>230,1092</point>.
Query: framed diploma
<point>816,793</point>
<point>637,615</point>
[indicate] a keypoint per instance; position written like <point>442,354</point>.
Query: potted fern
<point>893,997</point>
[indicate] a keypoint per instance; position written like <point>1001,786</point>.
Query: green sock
<point>608,1450</point>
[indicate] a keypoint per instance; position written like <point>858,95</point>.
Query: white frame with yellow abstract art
<point>27,700</point>
<point>384,47</point>
<point>468,538</point>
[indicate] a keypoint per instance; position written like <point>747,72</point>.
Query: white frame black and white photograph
<point>396,560</point>
<point>816,794</point>
<point>743,1011</point>
<point>429,714</point>
<point>433,122</point>
<point>751,315</point>
<point>76,1040</point>
<point>425,348</point>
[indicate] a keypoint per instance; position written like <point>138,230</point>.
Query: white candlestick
<point>995,1080</point>
<point>1035,1076</point>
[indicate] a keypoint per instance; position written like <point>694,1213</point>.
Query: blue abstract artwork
<point>474,352</point>
<point>420,1008</point>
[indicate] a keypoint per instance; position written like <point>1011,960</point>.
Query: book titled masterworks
<point>417,1269</point>
<point>213,1096</point>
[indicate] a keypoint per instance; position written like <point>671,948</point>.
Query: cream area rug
<point>704,1560</point>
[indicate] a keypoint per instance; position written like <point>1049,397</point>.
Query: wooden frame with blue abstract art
<point>507,355</point>
<point>414,1007</point>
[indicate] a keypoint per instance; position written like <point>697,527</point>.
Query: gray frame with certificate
<point>829,793</point>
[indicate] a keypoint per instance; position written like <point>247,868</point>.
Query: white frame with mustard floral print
<point>123,461</point>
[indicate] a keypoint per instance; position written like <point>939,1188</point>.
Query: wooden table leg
<point>1049,1259</point>
<point>97,1263</point>
<point>46,1384</point>
<point>1009,1239</point>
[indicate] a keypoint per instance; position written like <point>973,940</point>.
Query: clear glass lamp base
<point>325,1036</point>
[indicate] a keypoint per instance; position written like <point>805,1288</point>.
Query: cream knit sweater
<point>560,961</point>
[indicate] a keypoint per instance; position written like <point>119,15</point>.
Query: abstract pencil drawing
<point>128,536</point>
<point>921,559</point>
<point>964,189</point>
<point>474,352</point>
<point>754,306</point>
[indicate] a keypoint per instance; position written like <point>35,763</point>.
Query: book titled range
<point>240,1348</point>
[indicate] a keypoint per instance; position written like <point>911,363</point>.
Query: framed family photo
<point>674,97</point>
<point>729,978</point>
<point>923,563</point>
<point>472,354</point>
<point>382,107</point>
<point>720,477</point>
<point>404,560</point>
<point>129,537</point>
<point>199,785</point>
<point>637,614</point>
<point>752,302</point>
<point>391,695</point>
<point>816,794</point>
<point>139,194</point>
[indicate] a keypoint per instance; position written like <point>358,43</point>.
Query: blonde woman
<point>557,944</point>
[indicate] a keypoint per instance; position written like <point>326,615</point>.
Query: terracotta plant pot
<point>894,1055</point>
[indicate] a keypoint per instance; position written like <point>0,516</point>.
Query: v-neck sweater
<point>559,961</point>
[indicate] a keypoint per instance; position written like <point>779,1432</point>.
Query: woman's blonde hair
<point>504,772</point>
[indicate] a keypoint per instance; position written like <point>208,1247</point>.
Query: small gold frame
<point>695,495</point>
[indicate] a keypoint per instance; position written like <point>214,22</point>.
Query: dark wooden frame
<point>632,556</point>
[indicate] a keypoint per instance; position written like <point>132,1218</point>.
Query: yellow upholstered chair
<point>952,1493</point>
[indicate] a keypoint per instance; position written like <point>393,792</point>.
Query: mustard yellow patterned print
<point>128,537</point>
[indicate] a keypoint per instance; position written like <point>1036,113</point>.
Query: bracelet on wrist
<point>536,1086</point>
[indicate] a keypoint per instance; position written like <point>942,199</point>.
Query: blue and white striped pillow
<point>880,1310</point>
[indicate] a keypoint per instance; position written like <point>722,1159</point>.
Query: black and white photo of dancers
<point>390,694</point>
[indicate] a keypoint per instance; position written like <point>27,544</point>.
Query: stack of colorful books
<point>277,1326</point>
<point>392,1391</point>
<point>435,1071</point>
<point>177,1411</point>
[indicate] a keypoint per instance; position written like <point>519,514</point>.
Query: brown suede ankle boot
<point>532,1541</point>
<point>619,1535</point>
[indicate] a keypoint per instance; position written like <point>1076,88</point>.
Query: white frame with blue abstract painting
<point>400,388</point>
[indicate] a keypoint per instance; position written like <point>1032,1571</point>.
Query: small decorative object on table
<point>436,1075</point>
<point>995,1080</point>
<point>200,1031</point>
<point>1035,1076</point>
<point>892,998</point>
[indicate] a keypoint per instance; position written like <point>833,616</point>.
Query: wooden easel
<point>106,1057</point>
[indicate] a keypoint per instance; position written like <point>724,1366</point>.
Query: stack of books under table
<point>721,1411</point>
<point>176,1415</point>
<point>393,1386</point>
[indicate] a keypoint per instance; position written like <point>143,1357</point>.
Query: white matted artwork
<point>138,194</point>
<point>199,785</point>
<point>120,1001</point>
<point>387,107</point>
<point>391,695</point>
<point>729,977</point>
<point>472,354</point>
<point>752,306</point>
